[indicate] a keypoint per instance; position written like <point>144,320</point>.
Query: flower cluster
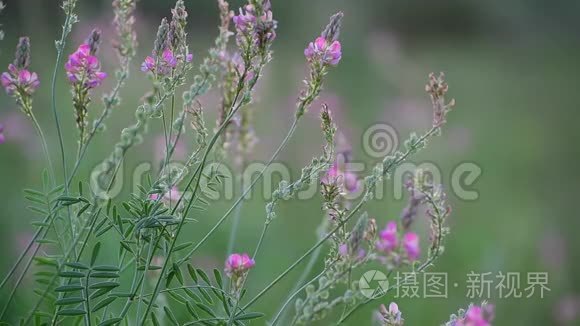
<point>238,264</point>
<point>83,68</point>
<point>325,51</point>
<point>18,81</point>
<point>474,316</point>
<point>165,64</point>
<point>391,316</point>
<point>388,242</point>
<point>236,267</point>
<point>170,48</point>
<point>255,25</point>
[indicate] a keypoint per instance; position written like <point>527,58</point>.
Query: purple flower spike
<point>324,51</point>
<point>238,264</point>
<point>388,238</point>
<point>19,80</point>
<point>411,245</point>
<point>82,67</point>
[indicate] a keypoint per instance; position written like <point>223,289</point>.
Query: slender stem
<point>147,264</point>
<point>237,216</point>
<point>44,146</point>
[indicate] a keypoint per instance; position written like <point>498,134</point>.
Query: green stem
<point>44,147</point>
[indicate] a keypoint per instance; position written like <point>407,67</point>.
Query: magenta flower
<point>238,264</point>
<point>245,20</point>
<point>411,245</point>
<point>84,68</point>
<point>477,316</point>
<point>388,238</point>
<point>2,138</point>
<point>165,64</point>
<point>19,80</point>
<point>323,51</point>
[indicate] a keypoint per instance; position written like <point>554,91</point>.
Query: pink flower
<point>388,238</point>
<point>164,64</point>
<point>2,138</point>
<point>84,68</point>
<point>245,20</point>
<point>393,308</point>
<point>170,197</point>
<point>477,316</point>
<point>22,80</point>
<point>327,53</point>
<point>148,64</point>
<point>238,264</point>
<point>411,245</point>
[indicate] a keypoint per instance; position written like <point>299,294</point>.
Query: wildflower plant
<point>152,276</point>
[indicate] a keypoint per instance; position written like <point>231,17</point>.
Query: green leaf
<point>112,321</point>
<point>178,273</point>
<point>218,278</point>
<point>103,303</point>
<point>151,268</point>
<point>69,288</point>
<point>100,292</point>
<point>203,275</point>
<point>71,274</point>
<point>171,316</point>
<point>69,300</point>
<point>106,268</point>
<point>104,275</point>
<point>104,285</point>
<point>71,312</point>
<point>95,253</point>
<point>76,265</point>
<point>46,261</point>
<point>182,246</point>
<point>191,310</point>
<point>205,308</point>
<point>154,319</point>
<point>249,315</point>
<point>83,209</point>
<point>192,273</point>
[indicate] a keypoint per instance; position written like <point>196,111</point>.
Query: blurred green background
<point>512,66</point>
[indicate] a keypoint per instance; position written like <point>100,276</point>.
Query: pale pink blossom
<point>388,238</point>
<point>411,245</point>
<point>238,264</point>
<point>324,51</point>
